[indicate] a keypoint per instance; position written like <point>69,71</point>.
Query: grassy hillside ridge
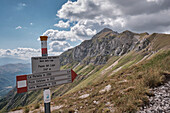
<point>124,62</point>
<point>129,88</point>
<point>159,41</point>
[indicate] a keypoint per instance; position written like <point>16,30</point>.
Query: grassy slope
<point>138,81</point>
<point>159,41</point>
<point>94,73</point>
<point>98,74</point>
<point>23,100</point>
<point>130,88</point>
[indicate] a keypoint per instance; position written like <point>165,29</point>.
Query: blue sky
<point>34,16</point>
<point>69,22</point>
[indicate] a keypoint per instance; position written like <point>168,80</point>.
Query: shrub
<point>153,78</point>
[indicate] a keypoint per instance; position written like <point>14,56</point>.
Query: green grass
<point>69,66</point>
<point>87,70</point>
<point>95,76</point>
<point>78,68</point>
<point>124,97</point>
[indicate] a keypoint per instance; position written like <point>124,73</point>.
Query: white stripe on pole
<point>43,44</point>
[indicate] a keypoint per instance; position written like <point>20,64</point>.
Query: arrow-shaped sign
<point>44,80</point>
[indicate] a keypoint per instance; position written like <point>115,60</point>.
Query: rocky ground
<point>160,102</point>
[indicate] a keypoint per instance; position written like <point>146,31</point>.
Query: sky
<point>69,22</point>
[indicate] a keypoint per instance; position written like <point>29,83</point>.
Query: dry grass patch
<point>130,88</point>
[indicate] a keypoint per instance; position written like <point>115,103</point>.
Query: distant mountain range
<point>9,60</point>
<point>8,75</point>
<point>115,71</point>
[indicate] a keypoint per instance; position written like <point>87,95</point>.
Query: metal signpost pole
<point>46,92</point>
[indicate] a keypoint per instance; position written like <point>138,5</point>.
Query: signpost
<point>45,73</point>
<point>44,64</point>
<point>44,80</point>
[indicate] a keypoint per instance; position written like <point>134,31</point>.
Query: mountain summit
<point>105,32</point>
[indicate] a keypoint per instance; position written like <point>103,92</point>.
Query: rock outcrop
<point>104,44</point>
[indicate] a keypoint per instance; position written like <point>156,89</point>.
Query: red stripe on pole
<point>73,75</point>
<point>44,51</point>
<point>43,38</point>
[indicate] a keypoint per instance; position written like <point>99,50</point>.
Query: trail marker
<point>21,83</point>
<point>47,97</point>
<point>45,73</point>
<point>44,64</point>
<point>44,80</point>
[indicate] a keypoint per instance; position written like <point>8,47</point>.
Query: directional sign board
<point>45,80</point>
<point>45,64</point>
<point>49,79</point>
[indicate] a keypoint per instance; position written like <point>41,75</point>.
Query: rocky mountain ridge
<point>104,44</point>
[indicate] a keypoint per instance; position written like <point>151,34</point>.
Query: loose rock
<point>160,103</point>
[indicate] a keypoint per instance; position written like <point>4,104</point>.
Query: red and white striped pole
<point>44,45</point>
<point>46,92</point>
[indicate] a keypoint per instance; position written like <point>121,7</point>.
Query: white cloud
<point>60,35</point>
<point>23,4</point>
<point>18,27</point>
<point>21,53</point>
<point>156,1</point>
<point>62,24</point>
<point>157,22</point>
<point>31,23</point>
<point>77,32</point>
<point>27,53</point>
<point>82,31</point>
<point>20,6</point>
<point>59,46</point>
<point>118,15</point>
<point>88,9</point>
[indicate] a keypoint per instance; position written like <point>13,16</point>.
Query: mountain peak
<point>106,30</point>
<point>127,32</point>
